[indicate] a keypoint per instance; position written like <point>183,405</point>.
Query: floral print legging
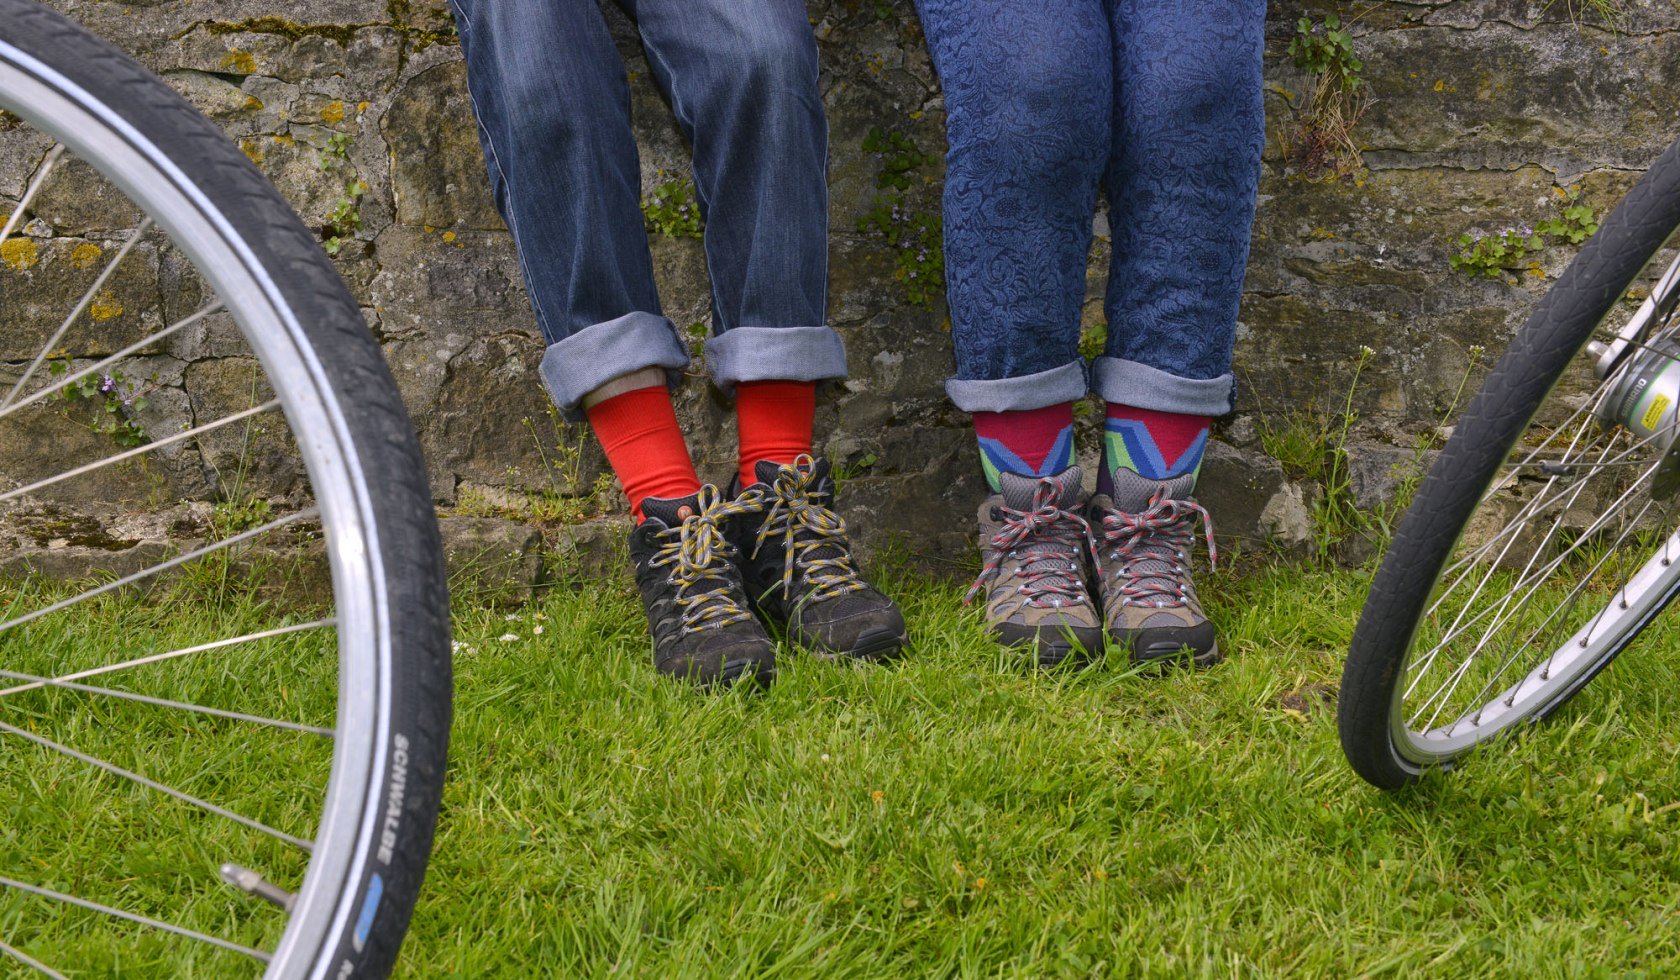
<point>1159,104</point>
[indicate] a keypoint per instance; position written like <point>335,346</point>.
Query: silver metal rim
<point>1643,587</point>
<point>93,132</point>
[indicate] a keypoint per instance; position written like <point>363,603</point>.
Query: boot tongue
<point>671,511</point>
<point>766,470</point>
<point>1018,491</point>
<point>1133,492</point>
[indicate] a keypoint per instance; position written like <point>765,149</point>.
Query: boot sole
<point>1168,656</point>
<point>737,671</point>
<point>870,648</point>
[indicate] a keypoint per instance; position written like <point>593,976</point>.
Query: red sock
<point>775,422</point>
<point>644,444</point>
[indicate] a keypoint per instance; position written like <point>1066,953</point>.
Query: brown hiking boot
<point>1034,542</point>
<point>1146,531</point>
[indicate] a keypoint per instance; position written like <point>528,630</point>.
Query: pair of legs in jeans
<point>553,107</point>
<point>1158,105</point>
<point>1046,99</point>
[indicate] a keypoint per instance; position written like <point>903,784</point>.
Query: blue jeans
<point>553,107</point>
<point>1159,104</point>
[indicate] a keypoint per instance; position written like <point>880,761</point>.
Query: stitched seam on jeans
<point>495,160</point>
<point>654,56</point>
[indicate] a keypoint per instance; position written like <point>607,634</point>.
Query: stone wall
<point>1476,113</point>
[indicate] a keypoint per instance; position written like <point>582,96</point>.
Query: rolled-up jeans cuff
<point>595,355</point>
<point>1141,386</point>
<point>1053,387</point>
<point>775,354</point>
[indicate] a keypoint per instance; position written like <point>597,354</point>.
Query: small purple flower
<point>107,384</point>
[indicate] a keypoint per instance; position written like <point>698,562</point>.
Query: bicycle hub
<point>1646,402</point>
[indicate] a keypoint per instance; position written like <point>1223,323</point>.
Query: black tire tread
<point>1551,338</point>
<point>381,432</point>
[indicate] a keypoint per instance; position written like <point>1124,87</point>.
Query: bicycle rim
<point>1568,554</point>
<point>291,941</point>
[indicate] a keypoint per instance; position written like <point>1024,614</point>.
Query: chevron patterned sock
<point>1036,442</point>
<point>1154,445</point>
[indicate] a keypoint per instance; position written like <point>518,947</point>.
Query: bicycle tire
<point>388,502</point>
<point>1449,495</point>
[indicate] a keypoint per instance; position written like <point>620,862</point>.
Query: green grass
<point>955,815</point>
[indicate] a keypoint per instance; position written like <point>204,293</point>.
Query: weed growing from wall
<point>114,402</point>
<point>1510,251</point>
<point>671,210</point>
<point>1323,146</point>
<point>345,218</point>
<point>1312,446</point>
<point>916,238</point>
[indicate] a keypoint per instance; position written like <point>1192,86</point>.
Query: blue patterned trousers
<point>1156,103</point>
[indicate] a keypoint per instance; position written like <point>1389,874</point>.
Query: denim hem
<point>1053,387</point>
<point>586,360</point>
<point>775,354</point>
<point>1138,385</point>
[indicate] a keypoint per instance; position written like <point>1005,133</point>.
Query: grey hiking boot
<point>1146,531</point>
<point>798,566</point>
<point>1034,543</point>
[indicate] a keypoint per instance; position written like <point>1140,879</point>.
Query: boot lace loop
<point>1039,539</point>
<point>812,536</point>
<point>698,554</point>
<point>1152,550</point>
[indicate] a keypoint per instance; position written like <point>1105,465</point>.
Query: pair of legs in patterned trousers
<point>1157,106</point>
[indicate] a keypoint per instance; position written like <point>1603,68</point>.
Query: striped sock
<point>1154,445</point>
<point>1036,442</point>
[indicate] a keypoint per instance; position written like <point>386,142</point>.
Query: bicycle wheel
<point>190,729</point>
<point>1540,543</point>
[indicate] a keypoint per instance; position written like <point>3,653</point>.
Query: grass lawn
<point>949,815</point>
<point>954,815</point>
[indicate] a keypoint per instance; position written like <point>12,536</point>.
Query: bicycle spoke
<point>161,567</point>
<point>1558,616</point>
<point>40,682</point>
<point>149,783</point>
<point>1574,490</point>
<point>141,450</point>
<point>30,961</point>
<point>1538,576</point>
<point>1529,510</point>
<point>15,222</point>
<point>100,366</point>
<point>1531,579</point>
<point>81,305</point>
<point>1533,508</point>
<point>1587,414</point>
<point>48,893</point>
<point>167,703</point>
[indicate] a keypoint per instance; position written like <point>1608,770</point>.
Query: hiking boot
<point>799,569</point>
<point>1033,542</point>
<point>696,605</point>
<point>1146,530</point>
